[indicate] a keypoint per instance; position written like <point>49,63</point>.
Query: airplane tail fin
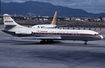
<point>54,19</point>
<point>8,21</point>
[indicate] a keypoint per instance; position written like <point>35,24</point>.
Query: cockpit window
<point>97,34</point>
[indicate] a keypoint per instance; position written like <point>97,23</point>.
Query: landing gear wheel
<point>46,41</point>
<point>42,41</point>
<point>51,41</point>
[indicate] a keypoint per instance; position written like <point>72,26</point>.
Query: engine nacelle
<point>23,32</point>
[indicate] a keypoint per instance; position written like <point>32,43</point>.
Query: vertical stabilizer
<point>54,19</point>
<point>8,21</point>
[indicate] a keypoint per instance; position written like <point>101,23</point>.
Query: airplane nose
<point>101,36</point>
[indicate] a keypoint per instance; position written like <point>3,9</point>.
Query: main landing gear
<point>46,41</point>
<point>85,42</point>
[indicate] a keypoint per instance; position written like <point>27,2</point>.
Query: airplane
<point>46,34</point>
<point>52,25</point>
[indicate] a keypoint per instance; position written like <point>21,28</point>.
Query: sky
<point>92,6</point>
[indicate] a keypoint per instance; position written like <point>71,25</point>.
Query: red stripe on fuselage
<point>87,34</point>
<point>64,34</point>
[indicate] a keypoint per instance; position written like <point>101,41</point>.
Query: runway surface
<point>21,53</point>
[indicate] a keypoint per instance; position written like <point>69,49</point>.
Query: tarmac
<point>22,53</point>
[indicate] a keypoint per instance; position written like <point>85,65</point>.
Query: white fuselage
<point>55,33</point>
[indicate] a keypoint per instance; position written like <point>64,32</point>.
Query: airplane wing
<point>40,37</point>
<point>48,38</point>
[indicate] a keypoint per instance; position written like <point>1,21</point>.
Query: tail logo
<point>9,21</point>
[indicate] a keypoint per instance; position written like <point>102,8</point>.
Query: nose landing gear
<point>85,42</point>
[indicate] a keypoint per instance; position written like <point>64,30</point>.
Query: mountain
<point>42,8</point>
